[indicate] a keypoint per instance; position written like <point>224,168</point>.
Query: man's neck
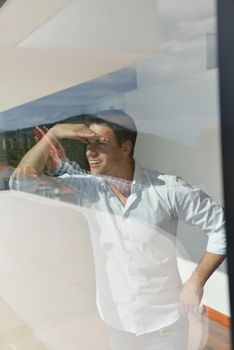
<point>122,184</point>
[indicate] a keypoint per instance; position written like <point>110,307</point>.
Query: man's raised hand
<point>75,132</point>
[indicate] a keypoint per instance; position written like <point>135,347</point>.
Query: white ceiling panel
<point>49,45</point>
<point>100,25</point>
<point>28,74</point>
<point>19,18</point>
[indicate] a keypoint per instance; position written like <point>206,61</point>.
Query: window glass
<point>90,240</point>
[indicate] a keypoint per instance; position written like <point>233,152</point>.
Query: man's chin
<point>96,171</point>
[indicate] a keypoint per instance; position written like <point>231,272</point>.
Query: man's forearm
<point>36,158</point>
<point>209,263</point>
<point>192,290</point>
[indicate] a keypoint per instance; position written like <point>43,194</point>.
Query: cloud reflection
<point>181,20</point>
<point>71,101</point>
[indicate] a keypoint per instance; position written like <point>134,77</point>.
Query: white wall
<point>47,282</point>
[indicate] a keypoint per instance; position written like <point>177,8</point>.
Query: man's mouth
<point>94,162</point>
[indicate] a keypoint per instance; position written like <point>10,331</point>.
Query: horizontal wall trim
<point>218,317</point>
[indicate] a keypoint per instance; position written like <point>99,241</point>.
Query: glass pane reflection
<point>60,236</point>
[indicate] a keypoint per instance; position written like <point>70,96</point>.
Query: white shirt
<point>134,246</point>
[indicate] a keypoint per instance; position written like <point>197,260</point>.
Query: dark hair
<point>120,122</point>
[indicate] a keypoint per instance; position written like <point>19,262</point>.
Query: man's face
<point>105,158</point>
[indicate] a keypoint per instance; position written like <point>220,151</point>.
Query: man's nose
<point>91,149</point>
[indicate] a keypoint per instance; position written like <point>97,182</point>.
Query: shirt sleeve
<point>24,183</point>
<point>76,189</point>
<point>44,185</point>
<point>195,207</point>
<point>64,167</point>
<point>65,175</point>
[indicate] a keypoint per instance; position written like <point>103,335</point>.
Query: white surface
<point>19,18</point>
<point>81,330</point>
<point>62,43</point>
<point>100,25</point>
<point>47,282</point>
<point>27,74</point>
<point>40,258</point>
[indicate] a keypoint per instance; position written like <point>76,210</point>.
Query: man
<point>133,230</point>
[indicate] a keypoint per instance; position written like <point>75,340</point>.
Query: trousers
<point>172,337</point>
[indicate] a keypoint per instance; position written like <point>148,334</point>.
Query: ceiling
<point>49,45</point>
<point>18,19</point>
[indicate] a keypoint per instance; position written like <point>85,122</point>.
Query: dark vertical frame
<point>225,13</point>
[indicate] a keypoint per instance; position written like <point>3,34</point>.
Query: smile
<point>94,162</point>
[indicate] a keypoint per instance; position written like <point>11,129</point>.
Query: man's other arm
<point>34,161</point>
<point>193,288</point>
<point>195,207</point>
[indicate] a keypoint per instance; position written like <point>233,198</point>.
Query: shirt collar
<point>103,185</point>
<point>136,183</point>
<point>137,179</point>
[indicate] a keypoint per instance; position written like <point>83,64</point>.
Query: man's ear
<point>126,148</point>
